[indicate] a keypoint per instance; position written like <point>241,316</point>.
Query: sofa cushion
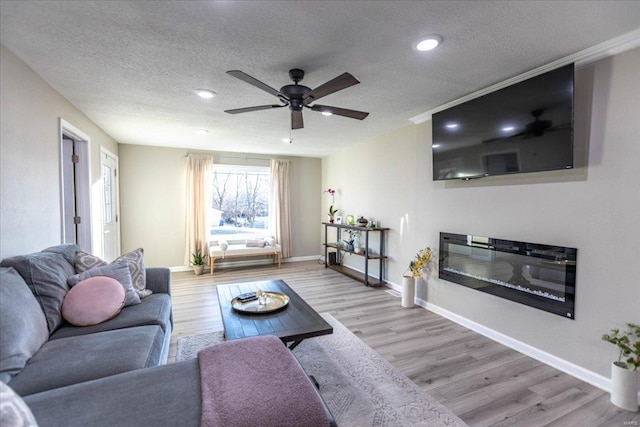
<point>46,274</point>
<point>134,259</point>
<point>14,412</point>
<point>118,270</point>
<point>167,395</point>
<point>72,360</point>
<point>94,300</point>
<point>153,310</point>
<point>23,327</point>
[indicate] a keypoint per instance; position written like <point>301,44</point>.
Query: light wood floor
<point>481,381</point>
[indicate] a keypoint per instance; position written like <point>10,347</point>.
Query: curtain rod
<point>230,157</point>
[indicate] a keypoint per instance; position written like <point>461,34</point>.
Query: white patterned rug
<point>359,387</point>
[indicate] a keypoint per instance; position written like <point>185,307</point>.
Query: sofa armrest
<point>159,280</point>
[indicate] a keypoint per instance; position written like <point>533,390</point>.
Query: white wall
<point>152,194</point>
<point>30,213</point>
<point>595,209</point>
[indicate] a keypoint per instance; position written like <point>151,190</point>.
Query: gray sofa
<point>108,374</point>
<point>40,351</point>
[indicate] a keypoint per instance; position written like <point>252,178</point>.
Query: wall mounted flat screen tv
<point>525,127</point>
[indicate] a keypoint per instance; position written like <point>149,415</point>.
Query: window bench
<point>224,250</point>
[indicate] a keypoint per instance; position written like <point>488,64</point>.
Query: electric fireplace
<point>538,275</point>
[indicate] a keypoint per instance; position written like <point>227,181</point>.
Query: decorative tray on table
<point>248,303</point>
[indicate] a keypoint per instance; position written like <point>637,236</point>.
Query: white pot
<point>624,388</point>
<point>408,291</point>
<point>198,269</point>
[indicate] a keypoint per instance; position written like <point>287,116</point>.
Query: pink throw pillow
<point>92,301</point>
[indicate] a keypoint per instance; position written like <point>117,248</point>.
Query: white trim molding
<point>584,57</point>
<point>236,263</point>
<point>558,363</point>
<point>565,366</point>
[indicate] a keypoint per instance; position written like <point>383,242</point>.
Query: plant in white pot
<point>624,372</point>
<point>416,269</point>
<point>197,261</point>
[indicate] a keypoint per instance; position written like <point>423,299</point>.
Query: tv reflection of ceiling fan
<point>534,129</point>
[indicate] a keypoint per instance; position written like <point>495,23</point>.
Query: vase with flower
<point>332,211</point>
<point>351,241</point>
<point>416,269</point>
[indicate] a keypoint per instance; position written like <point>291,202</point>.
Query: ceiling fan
<point>297,96</point>
<point>535,128</point>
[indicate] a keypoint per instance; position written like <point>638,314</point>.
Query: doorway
<point>75,186</point>
<point>110,204</point>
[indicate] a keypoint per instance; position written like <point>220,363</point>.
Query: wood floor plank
<point>482,381</point>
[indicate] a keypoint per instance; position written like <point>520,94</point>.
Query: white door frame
<point>116,196</point>
<point>83,184</point>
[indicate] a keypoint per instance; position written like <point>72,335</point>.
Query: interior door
<point>110,225</point>
<point>75,181</point>
<point>69,216</point>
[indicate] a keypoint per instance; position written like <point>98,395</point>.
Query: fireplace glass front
<point>538,275</point>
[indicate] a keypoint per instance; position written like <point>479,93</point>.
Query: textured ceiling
<point>132,66</point>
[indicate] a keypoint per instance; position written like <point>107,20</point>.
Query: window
<point>240,202</point>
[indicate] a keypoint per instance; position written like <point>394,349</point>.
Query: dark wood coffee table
<point>292,324</point>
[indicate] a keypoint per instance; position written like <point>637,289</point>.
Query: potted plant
<point>415,271</point>
<point>197,261</point>
<point>332,211</point>
<point>624,372</point>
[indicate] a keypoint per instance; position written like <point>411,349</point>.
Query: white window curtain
<point>198,193</point>
<point>279,213</point>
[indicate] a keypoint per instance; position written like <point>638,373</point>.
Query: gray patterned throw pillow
<point>134,259</point>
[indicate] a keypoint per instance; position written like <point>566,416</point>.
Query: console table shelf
<point>365,252</point>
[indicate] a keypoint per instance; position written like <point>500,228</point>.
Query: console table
<point>365,252</point>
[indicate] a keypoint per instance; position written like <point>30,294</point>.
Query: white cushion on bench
<point>242,249</point>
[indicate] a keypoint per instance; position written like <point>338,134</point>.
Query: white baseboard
<point>221,265</point>
<point>302,258</point>
<point>565,366</point>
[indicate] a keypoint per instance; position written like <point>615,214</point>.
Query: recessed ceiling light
<point>202,131</point>
<point>327,113</point>
<point>428,42</point>
<point>452,125</point>
<point>435,146</point>
<point>508,128</point>
<point>205,93</point>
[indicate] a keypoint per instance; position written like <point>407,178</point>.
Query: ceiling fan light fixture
<point>427,43</point>
<point>327,113</point>
<point>205,93</point>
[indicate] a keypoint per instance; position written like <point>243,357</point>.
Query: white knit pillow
<point>13,411</point>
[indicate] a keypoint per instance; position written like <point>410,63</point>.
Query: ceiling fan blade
<point>257,108</point>
<point>493,140</point>
<point>353,114</point>
<point>343,81</point>
<point>296,119</point>
<point>255,82</point>
<point>505,138</point>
